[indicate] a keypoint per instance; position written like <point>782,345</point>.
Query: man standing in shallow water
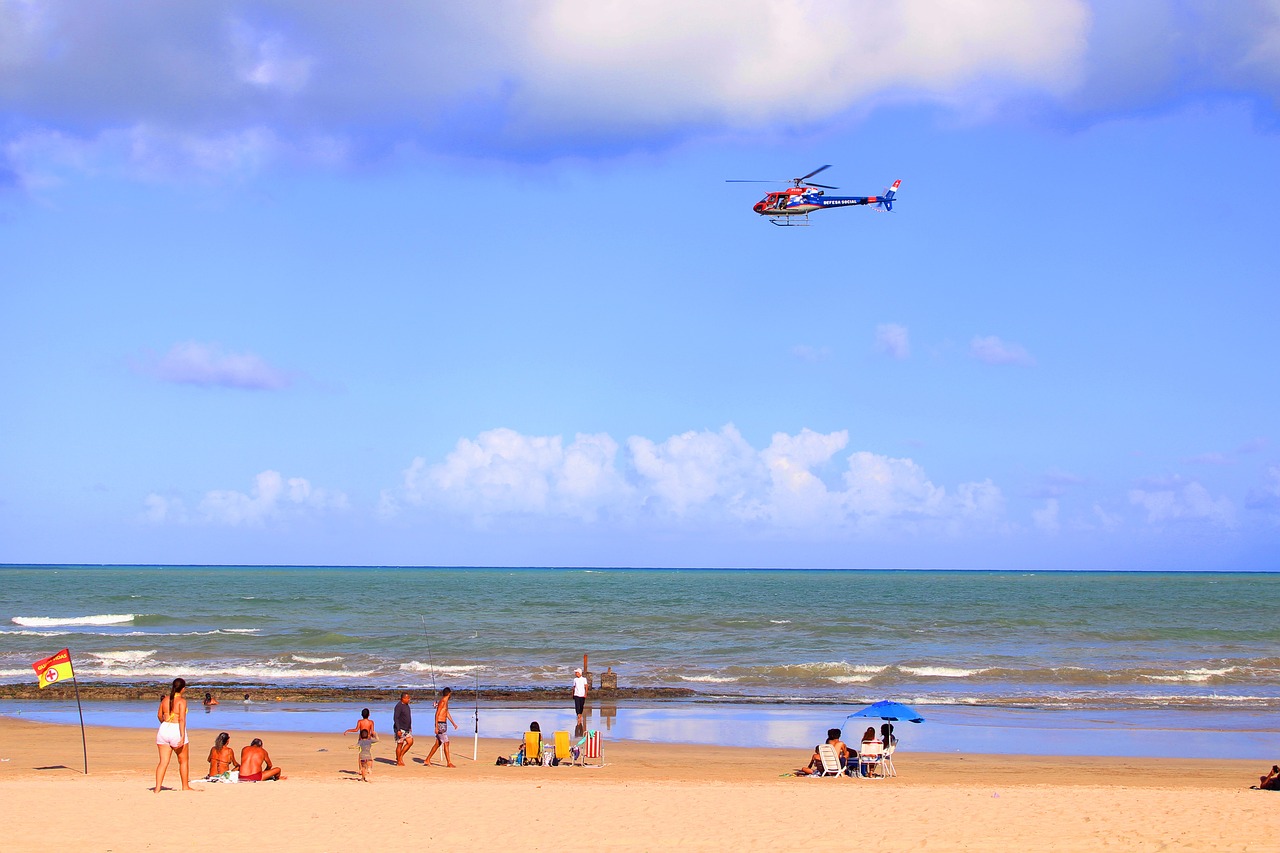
<point>402,725</point>
<point>443,718</point>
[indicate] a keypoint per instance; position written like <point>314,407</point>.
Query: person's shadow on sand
<point>388,761</point>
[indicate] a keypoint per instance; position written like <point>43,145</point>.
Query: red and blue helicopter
<point>792,206</point>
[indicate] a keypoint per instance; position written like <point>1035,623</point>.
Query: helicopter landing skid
<point>790,221</point>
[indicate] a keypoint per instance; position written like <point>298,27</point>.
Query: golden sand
<point>647,797</point>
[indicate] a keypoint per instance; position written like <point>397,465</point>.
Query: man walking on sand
<point>443,718</point>
<point>402,725</point>
<point>579,697</point>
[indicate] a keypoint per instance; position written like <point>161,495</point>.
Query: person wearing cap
<point>579,696</point>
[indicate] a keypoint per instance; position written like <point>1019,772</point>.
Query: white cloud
<point>689,471</point>
<point>1183,501</point>
<point>253,80</point>
<point>1046,517</point>
<point>272,497</point>
<point>206,365</point>
<point>549,75</point>
<point>502,471</point>
<point>715,479</point>
<point>893,341</point>
<point>992,350</point>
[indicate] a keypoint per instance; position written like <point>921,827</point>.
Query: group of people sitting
<point>254,764</point>
<point>848,757</point>
<point>530,750</point>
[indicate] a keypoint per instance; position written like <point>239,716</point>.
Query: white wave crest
<point>245,673</point>
<point>59,621</point>
<point>415,666</point>
<point>708,679</point>
<point>126,657</point>
<point>238,630</point>
<point>1192,676</point>
<point>780,621</point>
<point>851,679</point>
<point>458,669</point>
<point>939,671</point>
<point>443,669</point>
<point>305,659</point>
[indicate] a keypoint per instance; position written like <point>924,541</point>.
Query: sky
<point>428,283</point>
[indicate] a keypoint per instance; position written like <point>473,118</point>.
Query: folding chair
<point>830,760</point>
<point>592,748</point>
<point>532,748</point>
<point>563,751</point>
<point>871,759</point>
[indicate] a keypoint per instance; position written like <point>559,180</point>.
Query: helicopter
<point>792,206</point>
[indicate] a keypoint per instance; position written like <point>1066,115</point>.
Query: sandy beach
<point>647,797</point>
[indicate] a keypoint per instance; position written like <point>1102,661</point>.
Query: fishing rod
<point>475,746</point>
<point>431,664</point>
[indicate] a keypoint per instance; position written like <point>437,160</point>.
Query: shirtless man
<point>402,725</point>
<point>443,718</point>
<point>255,764</point>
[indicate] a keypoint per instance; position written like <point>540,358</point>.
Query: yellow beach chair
<point>532,748</point>
<point>563,753</point>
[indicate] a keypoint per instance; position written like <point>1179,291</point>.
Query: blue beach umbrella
<point>886,710</point>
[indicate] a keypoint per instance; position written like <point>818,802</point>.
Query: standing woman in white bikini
<point>171,737</point>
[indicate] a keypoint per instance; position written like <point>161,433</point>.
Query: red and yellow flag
<point>51,670</point>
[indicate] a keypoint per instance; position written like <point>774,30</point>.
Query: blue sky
<point>286,283</point>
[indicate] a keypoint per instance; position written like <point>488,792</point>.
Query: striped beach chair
<point>589,749</point>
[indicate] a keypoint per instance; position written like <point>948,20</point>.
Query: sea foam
<point>60,621</point>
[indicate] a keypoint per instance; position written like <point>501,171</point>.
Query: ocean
<point>1203,645</point>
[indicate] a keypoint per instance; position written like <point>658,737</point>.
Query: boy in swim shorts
<point>443,718</point>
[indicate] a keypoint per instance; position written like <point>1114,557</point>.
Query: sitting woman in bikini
<point>222,757</point>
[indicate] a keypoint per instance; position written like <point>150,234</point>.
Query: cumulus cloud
<point>272,496</point>
<point>206,365</point>
<point>227,84</point>
<point>1177,500</point>
<point>892,340</point>
<point>273,77</point>
<point>712,478</point>
<point>502,471</point>
<point>992,350</point>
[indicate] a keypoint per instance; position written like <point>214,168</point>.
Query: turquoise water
<point>1043,640</point>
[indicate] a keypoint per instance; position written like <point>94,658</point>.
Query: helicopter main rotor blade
<point>814,172</point>
<point>752,181</point>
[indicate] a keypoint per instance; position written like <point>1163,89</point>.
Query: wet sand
<point>648,797</point>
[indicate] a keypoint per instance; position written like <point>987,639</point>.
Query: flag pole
<point>84,746</point>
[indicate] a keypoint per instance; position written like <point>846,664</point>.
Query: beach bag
<point>502,760</point>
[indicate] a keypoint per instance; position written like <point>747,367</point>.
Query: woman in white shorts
<point>171,737</point>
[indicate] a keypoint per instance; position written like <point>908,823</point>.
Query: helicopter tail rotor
<point>886,201</point>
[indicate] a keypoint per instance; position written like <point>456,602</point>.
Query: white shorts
<point>170,734</point>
